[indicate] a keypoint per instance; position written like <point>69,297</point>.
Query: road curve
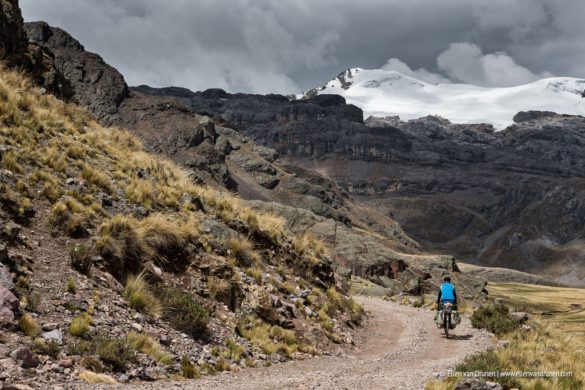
<point>402,349</point>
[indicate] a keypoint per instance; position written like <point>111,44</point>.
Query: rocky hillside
<point>112,260</point>
<point>116,266</point>
<point>492,198</point>
<point>213,153</point>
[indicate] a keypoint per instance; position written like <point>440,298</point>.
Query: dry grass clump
<point>145,344</point>
<point>115,352</point>
<point>54,159</point>
<point>234,350</point>
<point>95,378</point>
<point>122,246</point>
<point>269,338</point>
<point>242,250</point>
<point>165,237</point>
<point>255,273</point>
<point>71,285</point>
<point>80,325</point>
<point>81,258</point>
<point>49,348</point>
<point>96,178</point>
<point>10,162</point>
<point>29,326</point>
<point>188,369</point>
<point>126,242</point>
<point>72,217</point>
<point>338,302</point>
<point>218,288</point>
<point>140,296</point>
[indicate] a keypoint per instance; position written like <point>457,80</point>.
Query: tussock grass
<point>49,348</point>
<point>95,378</point>
<point>269,339</point>
<point>72,217</point>
<point>71,285</point>
<point>80,256</point>
<point>140,296</point>
<point>122,246</point>
<point>29,326</point>
<point>218,288</point>
<point>235,351</point>
<point>338,302</point>
<point>10,161</point>
<point>96,178</point>
<point>79,326</point>
<point>115,352</point>
<point>145,344</point>
<point>126,242</point>
<point>255,273</point>
<point>242,250</point>
<point>188,369</point>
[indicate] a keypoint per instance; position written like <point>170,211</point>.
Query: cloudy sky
<point>292,45</point>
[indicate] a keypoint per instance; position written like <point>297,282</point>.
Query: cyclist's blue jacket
<point>447,293</point>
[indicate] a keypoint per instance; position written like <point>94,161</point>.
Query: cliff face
<point>92,82</point>
<point>13,39</point>
<point>511,198</point>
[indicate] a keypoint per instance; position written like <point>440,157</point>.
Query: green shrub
<point>495,318</point>
<point>182,311</point>
<point>487,361</point>
<point>115,353</point>
<point>50,348</point>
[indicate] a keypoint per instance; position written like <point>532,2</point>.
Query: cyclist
<point>447,293</point>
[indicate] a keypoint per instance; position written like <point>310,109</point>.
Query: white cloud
<point>420,73</point>
<point>465,62</point>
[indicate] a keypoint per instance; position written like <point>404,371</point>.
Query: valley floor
<point>401,349</point>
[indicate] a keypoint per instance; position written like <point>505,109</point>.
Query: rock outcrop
<point>13,41</point>
<point>92,82</point>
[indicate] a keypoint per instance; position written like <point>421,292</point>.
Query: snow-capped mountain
<point>389,93</point>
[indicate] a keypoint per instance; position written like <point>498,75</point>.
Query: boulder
<point>8,306</point>
<point>520,316</point>
<point>54,335</point>
<point>26,357</point>
<point>5,277</point>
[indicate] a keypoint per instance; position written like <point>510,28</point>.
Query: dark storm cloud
<point>291,45</point>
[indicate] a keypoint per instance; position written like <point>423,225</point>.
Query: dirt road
<point>403,349</point>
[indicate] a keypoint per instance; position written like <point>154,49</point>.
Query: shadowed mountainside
<point>509,199</point>
<point>214,154</point>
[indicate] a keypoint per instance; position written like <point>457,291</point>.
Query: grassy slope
<point>93,179</point>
